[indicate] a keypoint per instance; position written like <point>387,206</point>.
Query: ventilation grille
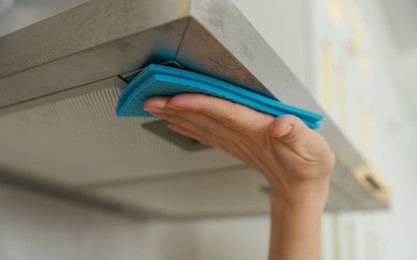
<point>78,140</point>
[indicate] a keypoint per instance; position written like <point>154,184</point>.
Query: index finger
<point>227,113</point>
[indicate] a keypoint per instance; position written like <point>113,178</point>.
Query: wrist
<point>312,197</point>
<point>296,226</point>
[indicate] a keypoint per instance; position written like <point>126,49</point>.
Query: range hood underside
<point>58,98</point>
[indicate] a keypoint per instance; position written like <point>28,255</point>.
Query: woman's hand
<point>295,159</point>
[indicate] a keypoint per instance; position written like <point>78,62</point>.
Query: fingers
<point>208,128</point>
<point>196,125</point>
<point>213,141</point>
<point>156,104</point>
<point>191,133</point>
<point>211,117</point>
<point>227,113</point>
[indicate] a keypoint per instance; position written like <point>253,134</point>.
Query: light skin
<point>296,161</point>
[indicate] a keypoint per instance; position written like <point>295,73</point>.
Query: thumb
<point>293,132</point>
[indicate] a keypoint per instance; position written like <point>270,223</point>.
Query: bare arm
<point>295,159</point>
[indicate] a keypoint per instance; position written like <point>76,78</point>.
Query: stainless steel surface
<point>71,136</point>
<point>94,41</point>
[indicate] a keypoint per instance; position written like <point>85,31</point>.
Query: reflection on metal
<point>370,180</point>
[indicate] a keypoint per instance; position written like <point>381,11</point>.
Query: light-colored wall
<point>18,14</point>
<point>36,227</point>
<point>373,89</point>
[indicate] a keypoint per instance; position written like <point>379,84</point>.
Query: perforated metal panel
<point>77,139</point>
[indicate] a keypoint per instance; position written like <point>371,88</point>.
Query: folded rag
<point>160,80</point>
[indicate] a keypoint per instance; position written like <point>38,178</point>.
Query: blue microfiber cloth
<point>160,80</point>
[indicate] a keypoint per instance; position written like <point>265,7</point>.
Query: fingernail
<point>155,111</point>
<point>176,108</point>
<point>286,131</point>
<point>151,109</point>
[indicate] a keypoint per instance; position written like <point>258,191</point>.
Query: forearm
<point>295,229</point>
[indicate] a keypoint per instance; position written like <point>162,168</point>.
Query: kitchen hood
<point>60,80</point>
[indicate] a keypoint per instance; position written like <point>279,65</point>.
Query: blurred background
<point>359,60</point>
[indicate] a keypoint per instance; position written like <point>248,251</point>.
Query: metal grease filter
<point>78,140</point>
